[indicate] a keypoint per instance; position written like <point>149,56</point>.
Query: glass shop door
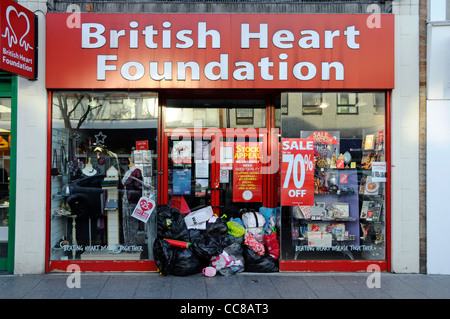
<point>221,168</point>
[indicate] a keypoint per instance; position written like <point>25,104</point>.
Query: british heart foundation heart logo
<point>143,209</point>
<point>18,25</point>
<point>145,205</point>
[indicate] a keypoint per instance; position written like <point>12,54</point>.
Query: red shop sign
<point>142,145</point>
<point>18,51</point>
<point>297,172</point>
<point>247,178</point>
<point>307,51</point>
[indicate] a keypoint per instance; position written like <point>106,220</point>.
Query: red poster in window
<point>297,172</point>
<point>142,145</point>
<point>247,178</point>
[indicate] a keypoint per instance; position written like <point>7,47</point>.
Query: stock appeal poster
<point>247,178</point>
<point>297,172</point>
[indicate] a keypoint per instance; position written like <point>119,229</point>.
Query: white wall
<point>405,141</point>
<point>438,147</point>
<point>31,162</point>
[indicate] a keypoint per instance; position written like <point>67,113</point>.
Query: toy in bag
<point>253,244</point>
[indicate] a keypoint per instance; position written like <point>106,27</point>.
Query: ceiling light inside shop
<point>5,109</point>
<point>323,105</point>
<point>93,103</point>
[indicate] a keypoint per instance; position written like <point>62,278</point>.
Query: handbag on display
<point>55,170</point>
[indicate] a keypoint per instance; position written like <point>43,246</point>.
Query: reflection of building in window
<point>347,103</point>
<point>311,103</point>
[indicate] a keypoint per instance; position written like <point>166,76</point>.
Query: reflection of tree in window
<point>72,105</point>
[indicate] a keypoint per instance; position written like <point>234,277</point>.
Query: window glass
<point>104,148</point>
<point>215,113</point>
<point>5,147</point>
<point>347,220</point>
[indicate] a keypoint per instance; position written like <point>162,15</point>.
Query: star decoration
<point>100,138</point>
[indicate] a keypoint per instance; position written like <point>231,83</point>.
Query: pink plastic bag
<point>253,244</point>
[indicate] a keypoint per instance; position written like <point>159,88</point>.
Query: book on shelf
<point>371,211</point>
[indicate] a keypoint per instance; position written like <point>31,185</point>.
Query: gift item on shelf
<point>88,169</point>
<point>371,187</point>
<point>319,239</point>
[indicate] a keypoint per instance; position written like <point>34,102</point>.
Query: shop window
<point>5,152</point>
<point>215,113</point>
<point>346,219</point>
<point>104,149</point>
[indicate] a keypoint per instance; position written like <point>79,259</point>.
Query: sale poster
<point>143,209</point>
<point>247,178</point>
<point>326,143</point>
<point>297,172</point>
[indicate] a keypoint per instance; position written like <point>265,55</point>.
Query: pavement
<point>242,286</point>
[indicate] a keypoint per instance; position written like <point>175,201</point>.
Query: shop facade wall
<point>32,162</point>
<point>405,142</point>
<point>438,133</point>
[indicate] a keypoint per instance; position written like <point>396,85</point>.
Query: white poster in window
<point>378,171</point>
<point>226,155</point>
<point>201,169</point>
<point>181,152</point>
<point>224,176</point>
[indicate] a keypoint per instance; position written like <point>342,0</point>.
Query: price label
<point>297,172</point>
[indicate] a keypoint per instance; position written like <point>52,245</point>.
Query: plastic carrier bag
<point>234,251</point>
<point>235,229</point>
<point>253,244</point>
<point>254,223</point>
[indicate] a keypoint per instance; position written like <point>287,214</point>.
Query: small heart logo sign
<point>143,209</point>
<point>13,17</point>
<point>145,205</point>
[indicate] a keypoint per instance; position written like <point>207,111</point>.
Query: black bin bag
<point>164,254</point>
<point>256,263</point>
<point>187,263</point>
<point>171,224</point>
<point>176,261</point>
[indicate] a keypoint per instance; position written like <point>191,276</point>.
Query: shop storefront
<point>176,118</point>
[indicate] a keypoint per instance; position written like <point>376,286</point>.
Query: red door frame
<point>270,198</point>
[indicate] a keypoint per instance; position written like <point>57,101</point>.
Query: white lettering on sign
<point>301,145</point>
<point>95,36</point>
